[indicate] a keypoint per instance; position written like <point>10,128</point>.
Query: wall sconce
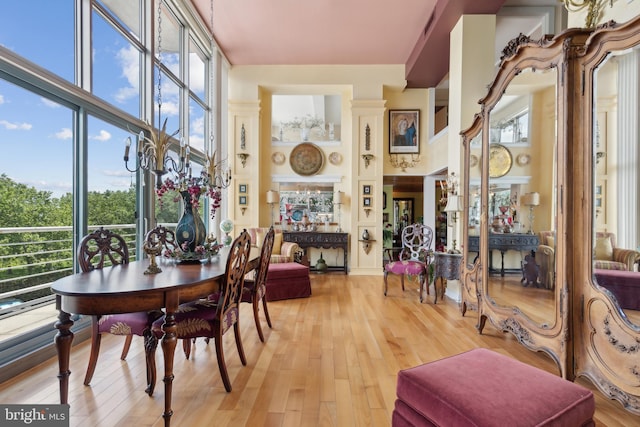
<point>600,155</point>
<point>367,158</point>
<point>243,158</point>
<point>272,198</point>
<point>242,209</point>
<point>403,163</point>
<point>367,211</point>
<point>366,245</point>
<point>532,200</point>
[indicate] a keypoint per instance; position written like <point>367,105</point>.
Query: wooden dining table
<point>126,289</point>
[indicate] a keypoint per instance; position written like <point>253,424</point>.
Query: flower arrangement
<point>195,186</point>
<point>205,251</point>
<point>307,121</point>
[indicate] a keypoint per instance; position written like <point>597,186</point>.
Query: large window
<point>41,31</point>
<point>61,170</point>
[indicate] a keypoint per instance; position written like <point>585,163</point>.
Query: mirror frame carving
<point>607,346</point>
<point>590,337</point>
<point>520,54</point>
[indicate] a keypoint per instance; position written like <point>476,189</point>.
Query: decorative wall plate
<point>335,158</point>
<point>473,160</point>
<point>306,159</point>
<point>500,160</point>
<point>523,159</point>
<point>278,158</point>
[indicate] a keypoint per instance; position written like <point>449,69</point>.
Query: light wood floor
<point>331,360</point>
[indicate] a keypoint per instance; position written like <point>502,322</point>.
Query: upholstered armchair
<point>608,257</point>
<point>545,258</point>
<point>282,251</point>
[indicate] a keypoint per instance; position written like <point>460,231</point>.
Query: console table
<point>445,266</point>
<point>503,243</point>
<point>317,239</point>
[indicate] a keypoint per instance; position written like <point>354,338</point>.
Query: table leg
<point>344,251</point>
<point>169,341</point>
<point>502,265</point>
<point>63,341</point>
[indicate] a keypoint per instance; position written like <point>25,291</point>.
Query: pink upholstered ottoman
<point>287,280</point>
<point>484,388</point>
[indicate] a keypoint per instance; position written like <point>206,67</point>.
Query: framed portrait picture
<point>404,135</point>
<point>242,188</point>
<point>242,200</point>
<point>366,202</point>
<point>366,190</point>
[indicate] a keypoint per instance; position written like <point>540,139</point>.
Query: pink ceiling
<point>290,32</point>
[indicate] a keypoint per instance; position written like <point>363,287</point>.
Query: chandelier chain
<point>159,31</point>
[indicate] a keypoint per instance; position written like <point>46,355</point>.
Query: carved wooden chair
<point>97,250</point>
<point>209,318</point>
<point>414,256</point>
<point>255,289</point>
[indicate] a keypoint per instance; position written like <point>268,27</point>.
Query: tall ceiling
<point>354,32</point>
<point>364,32</point>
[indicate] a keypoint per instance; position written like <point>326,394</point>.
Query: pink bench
<point>624,285</point>
<point>287,280</point>
<point>484,388</point>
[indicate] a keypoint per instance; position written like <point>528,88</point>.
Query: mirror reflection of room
<point>302,118</point>
<point>615,216</point>
<point>521,198</point>
<point>307,207</point>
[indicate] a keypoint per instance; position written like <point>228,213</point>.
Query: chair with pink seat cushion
<point>104,248</point>
<point>414,256</point>
<point>211,318</point>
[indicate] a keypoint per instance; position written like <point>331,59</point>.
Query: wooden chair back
<point>102,248</point>
<point>233,283</point>
<point>265,257</point>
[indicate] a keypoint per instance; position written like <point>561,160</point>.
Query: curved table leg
<point>63,341</point>
<point>169,341</point>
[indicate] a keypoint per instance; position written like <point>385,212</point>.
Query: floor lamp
<point>532,200</point>
<point>337,200</point>
<point>272,198</point>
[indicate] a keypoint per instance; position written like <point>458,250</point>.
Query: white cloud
<point>197,127</point>
<point>103,136</point>
<point>56,188</point>
<point>1,99</point>
<point>64,133</point>
<point>116,173</point>
<point>49,103</point>
<point>129,60</point>
<point>15,126</point>
<point>119,184</point>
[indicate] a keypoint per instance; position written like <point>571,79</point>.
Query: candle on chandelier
<point>126,149</point>
<point>140,142</point>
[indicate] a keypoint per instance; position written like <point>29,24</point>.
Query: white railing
<point>33,257</point>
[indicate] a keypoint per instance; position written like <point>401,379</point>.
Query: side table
<point>445,266</point>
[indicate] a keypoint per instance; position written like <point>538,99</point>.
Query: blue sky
<point>35,133</point>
